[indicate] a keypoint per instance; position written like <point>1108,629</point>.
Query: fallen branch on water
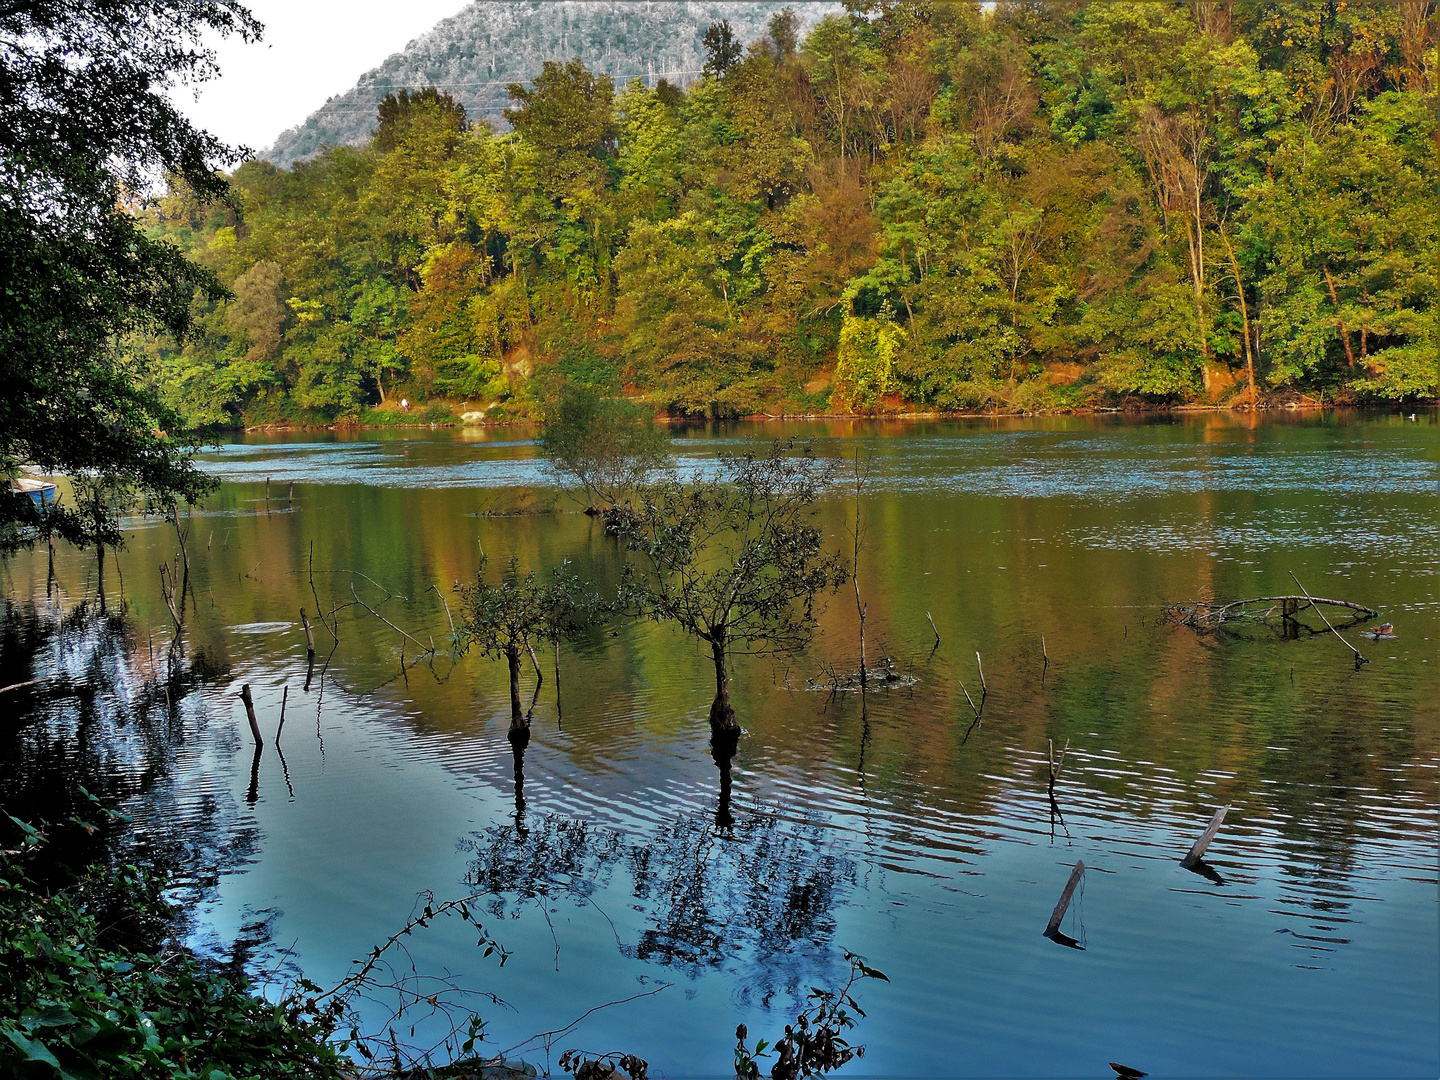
<point>1206,615</point>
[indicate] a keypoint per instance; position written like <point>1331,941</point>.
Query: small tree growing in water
<point>504,620</point>
<point>607,446</point>
<point>734,560</point>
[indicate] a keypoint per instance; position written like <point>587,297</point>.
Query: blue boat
<point>42,493</point>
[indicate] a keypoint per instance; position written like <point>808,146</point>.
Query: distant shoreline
<point>1290,407</point>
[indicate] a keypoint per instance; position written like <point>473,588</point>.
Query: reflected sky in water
<point>613,864</point>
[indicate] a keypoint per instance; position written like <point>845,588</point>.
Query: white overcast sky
<point>312,49</point>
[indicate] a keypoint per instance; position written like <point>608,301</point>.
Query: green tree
<point>721,48</point>
<point>502,621</point>
<point>610,447</point>
<point>734,560</point>
<point>84,121</point>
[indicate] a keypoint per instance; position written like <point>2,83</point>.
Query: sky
<point>312,49</point>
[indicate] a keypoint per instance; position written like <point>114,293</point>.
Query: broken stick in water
<point>309,634</point>
<point>1358,658</point>
<point>1056,766</point>
<point>1052,928</point>
<point>1197,849</point>
<point>936,632</point>
<point>284,698</point>
<point>984,690</point>
<point>250,714</point>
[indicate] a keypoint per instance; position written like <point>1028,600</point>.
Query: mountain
<point>475,54</point>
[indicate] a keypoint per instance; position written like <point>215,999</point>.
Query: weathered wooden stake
<point>1058,915</point>
<point>1198,848</point>
<point>284,698</point>
<point>309,634</point>
<point>250,714</point>
<point>1056,766</point>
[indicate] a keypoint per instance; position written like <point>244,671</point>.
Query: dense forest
<point>931,206</point>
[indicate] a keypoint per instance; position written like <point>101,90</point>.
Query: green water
<point>895,826</point>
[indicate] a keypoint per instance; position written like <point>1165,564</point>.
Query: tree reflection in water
<point>749,891</point>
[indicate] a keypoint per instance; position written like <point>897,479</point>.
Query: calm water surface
<point>894,826</point>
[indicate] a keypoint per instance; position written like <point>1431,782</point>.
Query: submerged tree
<point>504,620</point>
<point>734,560</point>
<point>606,445</point>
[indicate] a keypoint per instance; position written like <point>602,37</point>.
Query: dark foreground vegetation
<point>921,205</point>
<point>92,986</point>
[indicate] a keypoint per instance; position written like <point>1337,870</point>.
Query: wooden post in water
<point>1197,849</point>
<point>1058,915</point>
<point>309,634</point>
<point>250,714</point>
<point>284,699</point>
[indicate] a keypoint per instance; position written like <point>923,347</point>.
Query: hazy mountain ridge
<point>474,54</point>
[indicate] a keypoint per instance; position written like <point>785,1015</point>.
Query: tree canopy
<point>936,205</point>
<point>85,125</point>
<point>734,559</point>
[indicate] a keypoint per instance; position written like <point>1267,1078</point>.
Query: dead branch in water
<point>1205,615</point>
<point>1358,658</point>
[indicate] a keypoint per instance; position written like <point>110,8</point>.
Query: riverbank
<point>438,415</point>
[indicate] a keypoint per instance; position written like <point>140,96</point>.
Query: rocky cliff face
<point>475,54</point>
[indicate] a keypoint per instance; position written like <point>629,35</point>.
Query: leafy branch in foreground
<point>815,1043</point>
<point>86,120</point>
<point>88,988</point>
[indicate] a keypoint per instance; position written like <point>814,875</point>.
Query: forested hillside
<point>918,205</point>
<point>475,54</point>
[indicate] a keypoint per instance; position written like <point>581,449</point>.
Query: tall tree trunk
<point>517,714</point>
<point>100,574</point>
<point>722,716</point>
<point>1244,315</point>
<point>1340,322</point>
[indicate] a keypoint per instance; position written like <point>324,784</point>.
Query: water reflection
<point>103,721</point>
<point>747,891</point>
<point>947,854</point>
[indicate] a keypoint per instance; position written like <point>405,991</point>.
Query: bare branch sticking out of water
<point>1052,928</point>
<point>1206,615</point>
<point>1197,849</point>
<point>1358,658</point>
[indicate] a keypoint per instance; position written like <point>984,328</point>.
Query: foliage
<point>733,559</point>
<point>721,48</point>
<point>86,121</point>
<point>609,446</point>
<point>949,206</point>
<point>815,1043</point>
<point>503,621</point>
<point>866,358</point>
<point>82,994</point>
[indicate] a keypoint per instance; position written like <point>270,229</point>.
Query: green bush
<point>88,991</point>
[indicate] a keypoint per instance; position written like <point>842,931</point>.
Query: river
<point>894,826</point>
